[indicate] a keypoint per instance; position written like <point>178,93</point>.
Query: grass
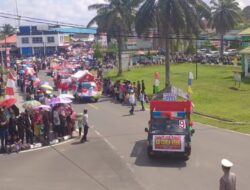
<point>214,92</point>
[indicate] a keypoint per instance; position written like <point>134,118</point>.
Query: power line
<point>39,19</point>
<point>51,22</point>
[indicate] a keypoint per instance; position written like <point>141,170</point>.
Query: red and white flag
<point>10,86</point>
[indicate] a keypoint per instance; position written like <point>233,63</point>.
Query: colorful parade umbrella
<point>59,100</point>
<point>43,107</point>
<point>8,103</point>
<point>31,104</point>
<point>46,87</point>
<point>69,96</point>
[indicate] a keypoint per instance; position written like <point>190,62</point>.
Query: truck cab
<point>170,129</point>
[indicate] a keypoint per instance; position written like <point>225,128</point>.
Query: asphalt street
<point>115,157</point>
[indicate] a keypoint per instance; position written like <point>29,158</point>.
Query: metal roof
<point>75,30</point>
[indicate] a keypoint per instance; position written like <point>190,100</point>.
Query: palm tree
<point>116,19</point>
<point>171,18</point>
<point>225,16</point>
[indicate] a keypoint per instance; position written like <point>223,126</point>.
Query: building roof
<point>245,32</point>
<point>245,51</point>
<point>9,40</point>
<point>75,30</point>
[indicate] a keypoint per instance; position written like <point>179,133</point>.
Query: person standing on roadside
<point>85,121</point>
<point>3,129</point>
<point>142,86</point>
<point>142,100</point>
<point>132,101</point>
<point>138,89</point>
<point>228,180</point>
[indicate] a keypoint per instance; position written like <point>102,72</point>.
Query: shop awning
<point>245,32</point>
<point>245,51</point>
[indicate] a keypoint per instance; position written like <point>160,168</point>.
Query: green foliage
<point>112,48</point>
<point>7,30</point>
<point>214,92</point>
<point>171,17</point>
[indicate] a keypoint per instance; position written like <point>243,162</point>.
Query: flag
<point>10,86</point>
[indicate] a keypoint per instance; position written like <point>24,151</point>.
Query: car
<point>231,52</point>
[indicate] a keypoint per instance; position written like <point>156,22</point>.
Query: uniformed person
<point>228,180</point>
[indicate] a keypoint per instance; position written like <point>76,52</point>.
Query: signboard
<point>170,97</point>
<point>171,143</point>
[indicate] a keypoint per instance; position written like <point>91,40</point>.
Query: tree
<point>225,17</point>
<point>171,18</point>
<point>115,18</point>
<point>98,54</point>
<point>246,14</point>
<point>7,30</point>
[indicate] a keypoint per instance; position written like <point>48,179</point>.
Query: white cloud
<point>72,11</point>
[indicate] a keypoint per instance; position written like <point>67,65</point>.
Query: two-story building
<point>40,40</point>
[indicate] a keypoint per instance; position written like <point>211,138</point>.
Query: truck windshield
<point>168,125</point>
<point>86,85</point>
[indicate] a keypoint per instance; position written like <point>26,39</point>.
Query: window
<point>37,40</point>
<point>25,40</point>
<point>51,39</point>
<point>38,51</point>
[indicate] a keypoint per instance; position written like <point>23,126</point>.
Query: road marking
<point>93,106</point>
<point>110,144</point>
<point>99,134</point>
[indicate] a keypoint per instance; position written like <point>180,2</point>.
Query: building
<point>8,48</point>
<point>47,40</point>
<point>39,40</point>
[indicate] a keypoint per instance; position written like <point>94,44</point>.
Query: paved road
<point>115,158</point>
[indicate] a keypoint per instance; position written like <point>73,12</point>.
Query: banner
<point>169,143</point>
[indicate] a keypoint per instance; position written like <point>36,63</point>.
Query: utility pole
<point>18,21</point>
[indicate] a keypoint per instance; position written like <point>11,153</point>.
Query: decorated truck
<point>170,129</point>
<point>87,87</point>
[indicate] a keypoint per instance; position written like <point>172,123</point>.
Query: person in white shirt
<point>132,102</point>
<point>85,123</point>
<point>142,100</point>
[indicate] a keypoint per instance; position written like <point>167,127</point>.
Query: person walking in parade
<point>138,89</point>
<point>228,180</point>
<point>85,122</point>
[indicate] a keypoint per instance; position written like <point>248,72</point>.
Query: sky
<point>71,11</point>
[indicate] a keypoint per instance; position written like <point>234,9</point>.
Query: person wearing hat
<point>228,180</point>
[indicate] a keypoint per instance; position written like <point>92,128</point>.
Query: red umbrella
<point>8,103</point>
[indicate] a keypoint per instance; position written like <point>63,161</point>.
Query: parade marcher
<point>142,100</point>
<point>228,180</point>
<point>132,101</point>
<point>85,122</point>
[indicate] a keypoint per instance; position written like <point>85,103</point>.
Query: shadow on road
<point>140,152</point>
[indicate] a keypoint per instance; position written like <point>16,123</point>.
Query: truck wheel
<point>149,153</point>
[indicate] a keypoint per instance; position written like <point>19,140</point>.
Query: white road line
<point>99,134</point>
<point>130,167</point>
<point>110,144</point>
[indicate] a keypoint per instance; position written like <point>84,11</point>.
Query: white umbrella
<point>70,96</point>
